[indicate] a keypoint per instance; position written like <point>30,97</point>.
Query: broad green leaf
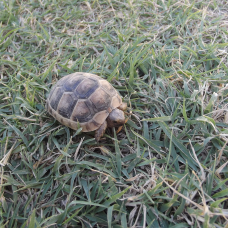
<point>87,203</point>
<point>109,216</point>
<point>162,118</point>
<point>114,198</point>
<point>32,220</point>
<point>149,143</point>
<point>180,145</point>
<point>208,120</point>
<point>221,193</point>
<point>217,202</point>
<point>45,74</point>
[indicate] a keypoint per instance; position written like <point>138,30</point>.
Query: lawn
<point>168,165</point>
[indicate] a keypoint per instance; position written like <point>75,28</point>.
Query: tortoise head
<point>116,118</point>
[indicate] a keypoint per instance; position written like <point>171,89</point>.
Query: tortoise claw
<point>119,129</point>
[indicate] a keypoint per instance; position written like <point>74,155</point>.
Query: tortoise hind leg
<point>100,131</point>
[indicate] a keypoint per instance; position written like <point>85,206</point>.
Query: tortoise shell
<point>82,99</point>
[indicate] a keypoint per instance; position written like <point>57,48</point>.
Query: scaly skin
<point>100,131</point>
<point>123,106</point>
<point>115,119</point>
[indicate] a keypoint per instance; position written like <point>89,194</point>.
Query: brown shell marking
<point>82,98</point>
<point>100,99</point>
<point>80,112</point>
<point>86,88</point>
<point>56,96</point>
<point>67,104</point>
<point>108,87</point>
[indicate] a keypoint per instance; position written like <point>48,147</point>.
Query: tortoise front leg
<point>120,128</point>
<point>100,131</point>
<point>123,106</point>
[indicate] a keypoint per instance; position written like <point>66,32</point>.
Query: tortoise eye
<point>114,122</point>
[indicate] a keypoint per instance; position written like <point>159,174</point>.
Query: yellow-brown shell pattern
<point>82,99</point>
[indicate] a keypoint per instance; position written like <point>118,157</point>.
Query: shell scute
<point>116,101</point>
<point>81,112</point>
<point>108,87</point>
<point>72,82</point>
<point>86,88</point>
<point>100,116</point>
<point>55,98</point>
<point>67,104</point>
<point>100,99</point>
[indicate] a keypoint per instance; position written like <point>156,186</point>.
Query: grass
<point>168,166</point>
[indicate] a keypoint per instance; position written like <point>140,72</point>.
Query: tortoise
<point>86,100</point>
